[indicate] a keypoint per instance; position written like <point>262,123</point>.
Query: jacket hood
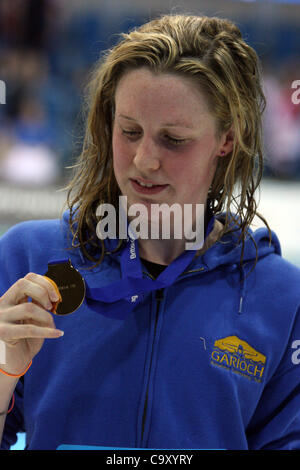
<point>226,254</point>
<point>223,254</point>
<point>226,251</point>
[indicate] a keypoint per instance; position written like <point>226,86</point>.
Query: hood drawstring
<point>242,284</point>
<point>81,256</point>
<point>242,287</point>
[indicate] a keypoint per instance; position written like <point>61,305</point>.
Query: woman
<point>171,347</point>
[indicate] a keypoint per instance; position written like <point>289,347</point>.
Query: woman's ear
<point>227,142</point>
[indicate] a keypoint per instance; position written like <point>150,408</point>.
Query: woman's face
<point>163,134</point>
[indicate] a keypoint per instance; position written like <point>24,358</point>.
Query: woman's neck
<point>166,251</point>
<point>160,251</point>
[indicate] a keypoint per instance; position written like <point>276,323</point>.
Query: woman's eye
<point>175,141</point>
<point>129,133</point>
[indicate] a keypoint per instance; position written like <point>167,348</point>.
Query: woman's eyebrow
<point>167,124</point>
<point>177,124</point>
<point>126,117</point>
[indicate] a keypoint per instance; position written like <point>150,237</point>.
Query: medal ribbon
<point>119,298</point>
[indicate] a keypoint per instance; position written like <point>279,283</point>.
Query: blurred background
<point>47,48</point>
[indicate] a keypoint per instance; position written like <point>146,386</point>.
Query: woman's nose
<point>147,155</point>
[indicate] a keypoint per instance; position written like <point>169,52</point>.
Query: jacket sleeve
<point>11,268</point>
<point>275,424</point>
<point>13,255</point>
<point>14,423</point>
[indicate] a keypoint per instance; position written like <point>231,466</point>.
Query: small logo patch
<point>236,355</point>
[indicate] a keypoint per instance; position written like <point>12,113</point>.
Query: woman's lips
<point>144,190</point>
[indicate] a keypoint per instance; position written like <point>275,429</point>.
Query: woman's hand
<point>24,325</point>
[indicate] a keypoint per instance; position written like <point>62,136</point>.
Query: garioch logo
<point>238,356</point>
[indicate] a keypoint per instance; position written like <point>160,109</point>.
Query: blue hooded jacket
<point>210,362</point>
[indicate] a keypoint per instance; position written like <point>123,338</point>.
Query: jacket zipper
<point>158,297</point>
<point>159,293</point>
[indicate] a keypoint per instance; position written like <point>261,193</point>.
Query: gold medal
<point>70,284</point>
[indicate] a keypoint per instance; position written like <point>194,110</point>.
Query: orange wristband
<point>12,404</point>
<point>16,375</point>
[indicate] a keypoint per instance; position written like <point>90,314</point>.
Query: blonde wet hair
<point>212,52</point>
